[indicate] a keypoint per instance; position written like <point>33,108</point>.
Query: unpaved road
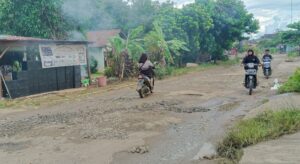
<point>183,114</point>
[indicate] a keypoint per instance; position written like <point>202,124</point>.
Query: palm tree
<point>157,46</point>
<point>123,51</point>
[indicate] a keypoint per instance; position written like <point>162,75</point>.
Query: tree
<point>196,22</point>
<point>116,55</point>
<point>124,51</point>
<point>272,42</point>
<point>292,36</point>
<point>43,18</point>
<point>230,22</point>
<point>160,48</point>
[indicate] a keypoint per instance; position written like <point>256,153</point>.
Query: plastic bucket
<point>102,81</point>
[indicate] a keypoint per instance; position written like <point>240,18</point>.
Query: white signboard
<point>62,55</point>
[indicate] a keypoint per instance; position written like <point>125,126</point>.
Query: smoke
<point>80,10</point>
<point>87,15</point>
<point>77,36</point>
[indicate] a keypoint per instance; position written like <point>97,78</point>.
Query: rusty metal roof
<point>19,38</point>
<point>7,39</point>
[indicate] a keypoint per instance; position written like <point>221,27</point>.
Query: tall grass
<point>293,83</point>
<point>293,54</point>
<point>269,125</point>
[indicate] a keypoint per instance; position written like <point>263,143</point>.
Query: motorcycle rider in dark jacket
<point>146,68</point>
<point>251,58</point>
<point>268,57</point>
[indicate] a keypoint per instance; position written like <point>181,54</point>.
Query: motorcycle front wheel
<point>141,94</point>
<point>250,87</point>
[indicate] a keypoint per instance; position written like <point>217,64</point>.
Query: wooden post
<point>1,56</point>
<point>4,51</point>
<point>1,89</point>
<point>7,89</point>
<point>88,64</point>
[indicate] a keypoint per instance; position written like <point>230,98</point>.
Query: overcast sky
<point>272,14</point>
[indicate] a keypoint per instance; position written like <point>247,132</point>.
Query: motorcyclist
<point>251,58</point>
<point>267,57</point>
<point>146,68</point>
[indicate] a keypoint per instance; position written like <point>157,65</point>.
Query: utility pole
<point>291,11</point>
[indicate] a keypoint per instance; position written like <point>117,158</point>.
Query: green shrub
<point>269,125</point>
<point>273,50</point>
<point>16,66</point>
<point>93,65</point>
<point>293,83</point>
<point>162,72</point>
<point>109,72</point>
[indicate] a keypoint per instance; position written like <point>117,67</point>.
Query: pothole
<point>186,93</point>
<point>11,146</point>
<point>229,106</point>
<point>175,106</point>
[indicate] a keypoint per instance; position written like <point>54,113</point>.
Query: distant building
<point>269,36</point>
<point>100,40</point>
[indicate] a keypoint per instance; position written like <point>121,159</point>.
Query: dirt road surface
<point>169,127</point>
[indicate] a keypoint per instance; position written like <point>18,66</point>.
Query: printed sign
<point>62,55</point>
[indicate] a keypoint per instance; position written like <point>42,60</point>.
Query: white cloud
<point>272,14</point>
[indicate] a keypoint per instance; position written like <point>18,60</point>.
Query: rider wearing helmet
<point>251,58</point>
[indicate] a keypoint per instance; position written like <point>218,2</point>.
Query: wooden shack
<point>32,65</point>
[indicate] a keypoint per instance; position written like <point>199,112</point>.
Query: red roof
<point>19,38</point>
<point>101,38</point>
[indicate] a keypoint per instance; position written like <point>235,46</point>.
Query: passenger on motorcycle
<point>251,58</point>
<point>267,57</point>
<point>146,68</point>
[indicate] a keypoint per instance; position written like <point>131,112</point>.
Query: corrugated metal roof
<point>31,40</point>
<point>19,38</point>
<point>101,38</point>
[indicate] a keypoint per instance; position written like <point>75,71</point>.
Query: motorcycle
<point>267,68</point>
<point>145,85</point>
<point>251,81</point>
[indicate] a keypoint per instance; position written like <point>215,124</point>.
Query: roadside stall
<point>32,65</point>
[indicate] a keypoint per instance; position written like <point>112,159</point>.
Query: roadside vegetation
<point>289,38</point>
<point>171,36</point>
<point>293,54</point>
<point>293,83</point>
<point>266,126</point>
<point>54,98</point>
